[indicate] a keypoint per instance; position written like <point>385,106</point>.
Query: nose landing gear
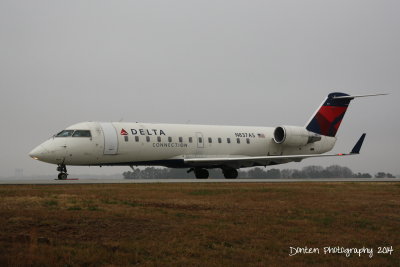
<point>63,172</point>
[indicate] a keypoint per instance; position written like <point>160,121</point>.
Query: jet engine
<point>294,136</point>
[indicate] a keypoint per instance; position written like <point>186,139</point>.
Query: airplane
<point>197,147</point>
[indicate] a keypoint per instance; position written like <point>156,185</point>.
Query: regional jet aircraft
<point>197,147</point>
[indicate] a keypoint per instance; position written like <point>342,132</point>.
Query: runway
<point>150,181</point>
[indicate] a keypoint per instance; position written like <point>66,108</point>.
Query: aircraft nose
<point>37,152</point>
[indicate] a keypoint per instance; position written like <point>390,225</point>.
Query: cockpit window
<point>81,133</point>
<point>65,133</point>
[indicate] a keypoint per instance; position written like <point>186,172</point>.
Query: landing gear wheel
<point>62,176</point>
<point>230,173</point>
<point>63,172</point>
<point>201,173</point>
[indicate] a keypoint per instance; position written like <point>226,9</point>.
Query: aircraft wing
<point>238,162</point>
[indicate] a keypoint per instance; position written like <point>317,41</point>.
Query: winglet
<point>356,149</point>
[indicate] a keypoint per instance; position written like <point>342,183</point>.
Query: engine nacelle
<point>294,136</point>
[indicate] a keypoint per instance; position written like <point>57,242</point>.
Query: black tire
<point>201,173</point>
<point>230,174</point>
<point>62,176</point>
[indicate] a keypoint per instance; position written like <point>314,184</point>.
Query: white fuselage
<point>123,143</point>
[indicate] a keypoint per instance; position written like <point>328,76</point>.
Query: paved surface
<point>146,181</point>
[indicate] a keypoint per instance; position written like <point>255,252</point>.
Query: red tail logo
<point>330,115</point>
<point>123,132</point>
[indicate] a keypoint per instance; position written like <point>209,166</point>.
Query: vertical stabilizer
<point>327,119</point>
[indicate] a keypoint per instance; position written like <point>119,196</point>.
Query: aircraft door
<point>110,138</point>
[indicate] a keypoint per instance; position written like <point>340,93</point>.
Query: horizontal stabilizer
<point>356,149</point>
<point>354,96</point>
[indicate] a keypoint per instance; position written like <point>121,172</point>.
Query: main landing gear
<point>63,172</point>
<point>199,173</point>
<point>230,173</point>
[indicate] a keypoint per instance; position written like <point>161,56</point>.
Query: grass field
<point>198,224</point>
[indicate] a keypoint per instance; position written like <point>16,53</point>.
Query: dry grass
<point>196,224</point>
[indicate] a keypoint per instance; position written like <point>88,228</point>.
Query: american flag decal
<point>260,135</point>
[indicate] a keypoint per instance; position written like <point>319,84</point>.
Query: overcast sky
<point>258,63</point>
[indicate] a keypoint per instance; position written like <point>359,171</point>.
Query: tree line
<point>334,171</point>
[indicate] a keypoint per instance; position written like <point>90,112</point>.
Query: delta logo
<point>123,132</point>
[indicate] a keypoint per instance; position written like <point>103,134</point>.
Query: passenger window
<point>81,133</point>
<point>219,140</point>
<point>228,140</point>
<point>238,140</point>
<point>248,140</point>
<point>126,138</point>
<point>148,138</point>
<point>169,139</point>
<point>210,140</point>
<point>190,139</point>
<point>200,140</point>
<point>137,138</point>
<point>65,133</point>
<point>180,139</point>
<point>158,138</point>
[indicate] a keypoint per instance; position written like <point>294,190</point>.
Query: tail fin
<point>327,119</point>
